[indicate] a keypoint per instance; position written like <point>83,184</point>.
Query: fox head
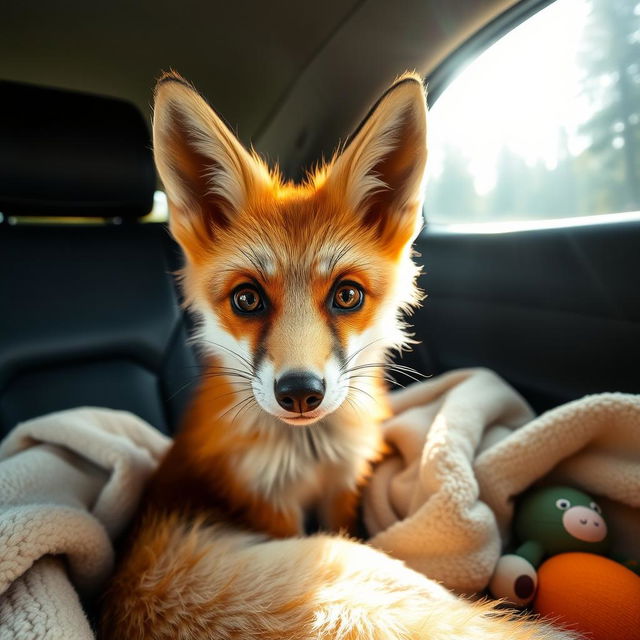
<point>298,288</point>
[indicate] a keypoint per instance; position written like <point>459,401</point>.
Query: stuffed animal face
<point>562,519</point>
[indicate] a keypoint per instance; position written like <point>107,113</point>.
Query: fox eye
<point>563,504</point>
<point>247,299</point>
<point>348,297</point>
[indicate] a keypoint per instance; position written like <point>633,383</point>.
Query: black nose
<point>299,391</point>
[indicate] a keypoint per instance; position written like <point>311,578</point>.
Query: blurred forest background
<point>603,177</point>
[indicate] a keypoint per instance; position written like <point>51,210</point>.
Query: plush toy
<point>548,521</point>
<point>590,594</point>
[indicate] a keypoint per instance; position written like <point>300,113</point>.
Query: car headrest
<point>64,153</point>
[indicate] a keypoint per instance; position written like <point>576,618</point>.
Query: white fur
<point>212,338</point>
<point>372,145</point>
<point>288,464</point>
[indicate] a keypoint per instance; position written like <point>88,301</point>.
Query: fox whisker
<point>359,351</point>
<point>401,369</point>
<point>232,407</point>
<point>241,358</point>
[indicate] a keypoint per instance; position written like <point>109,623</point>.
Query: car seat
<point>89,311</point>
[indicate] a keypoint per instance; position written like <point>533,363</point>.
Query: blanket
<point>69,484</point>
<point>465,444</point>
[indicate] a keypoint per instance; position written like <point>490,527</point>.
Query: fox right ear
<point>380,172</point>
<point>206,172</point>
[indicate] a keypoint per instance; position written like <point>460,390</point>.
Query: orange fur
<point>340,513</point>
<point>197,475</point>
<point>215,552</point>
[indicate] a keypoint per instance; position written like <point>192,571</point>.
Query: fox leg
<point>338,511</point>
<point>278,524</point>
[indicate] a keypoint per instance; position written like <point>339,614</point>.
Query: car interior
<point>90,310</point>
<point>546,293</point>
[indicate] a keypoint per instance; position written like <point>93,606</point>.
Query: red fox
<point>298,290</point>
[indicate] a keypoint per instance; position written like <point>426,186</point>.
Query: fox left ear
<point>208,175</point>
<point>380,172</point>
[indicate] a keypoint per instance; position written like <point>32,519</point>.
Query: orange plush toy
<point>590,594</point>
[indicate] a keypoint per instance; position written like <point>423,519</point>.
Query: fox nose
<point>299,391</point>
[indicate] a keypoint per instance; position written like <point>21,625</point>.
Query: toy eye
<point>247,299</point>
<point>563,504</point>
<point>348,297</point>
<point>596,508</point>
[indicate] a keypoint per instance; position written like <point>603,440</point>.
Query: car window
<point>545,123</point>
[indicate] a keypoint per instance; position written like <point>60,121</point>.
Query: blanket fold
<point>43,604</point>
<point>467,445</point>
<point>69,483</point>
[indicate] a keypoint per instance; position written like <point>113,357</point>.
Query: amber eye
<point>247,299</point>
<point>348,297</point>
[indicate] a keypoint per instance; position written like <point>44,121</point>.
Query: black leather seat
<point>89,313</point>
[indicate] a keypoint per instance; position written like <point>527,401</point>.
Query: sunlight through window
<point>545,123</point>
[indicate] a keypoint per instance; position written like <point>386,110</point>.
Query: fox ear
<point>381,169</point>
<point>205,170</point>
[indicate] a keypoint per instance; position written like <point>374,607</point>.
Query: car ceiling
<point>293,78</point>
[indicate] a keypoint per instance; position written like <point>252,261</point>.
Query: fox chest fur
<point>264,477</point>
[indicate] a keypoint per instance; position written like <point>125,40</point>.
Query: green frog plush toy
<point>548,521</point>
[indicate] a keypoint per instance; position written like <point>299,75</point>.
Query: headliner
<point>292,77</point>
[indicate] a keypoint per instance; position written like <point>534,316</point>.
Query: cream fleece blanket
<point>69,483</point>
<point>466,443</point>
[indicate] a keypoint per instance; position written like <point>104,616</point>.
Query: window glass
<point>160,210</point>
<point>545,123</point>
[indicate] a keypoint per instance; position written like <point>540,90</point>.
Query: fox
<point>299,290</point>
